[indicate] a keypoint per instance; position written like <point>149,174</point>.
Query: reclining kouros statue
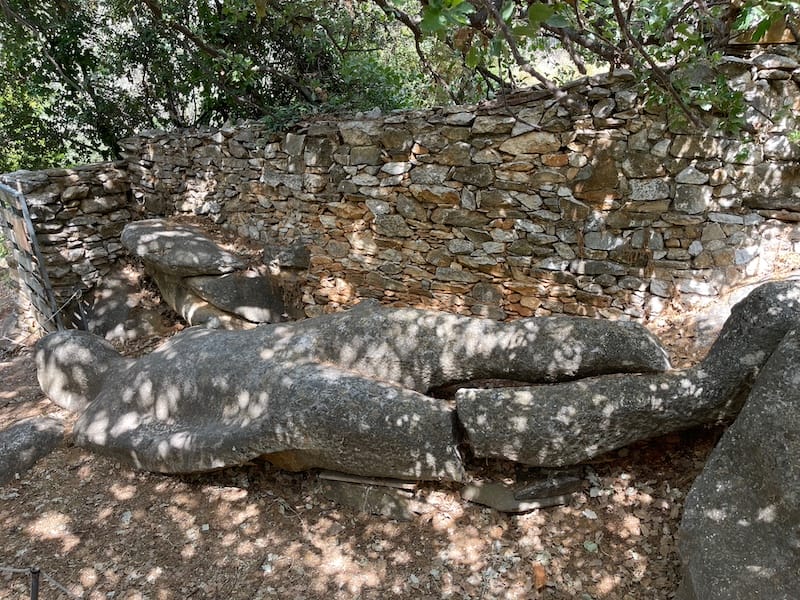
<point>352,391</point>
<point>347,392</point>
<point>356,392</point>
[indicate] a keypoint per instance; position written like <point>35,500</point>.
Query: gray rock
<point>503,498</point>
<point>692,199</point>
<point>552,483</point>
<point>740,532</point>
<point>295,256</point>
<point>380,497</point>
<point>775,61</point>
<point>251,296</point>
<point>343,392</point>
<point>25,442</point>
<point>569,423</point>
<point>193,308</point>
<point>392,226</point>
<point>177,249</point>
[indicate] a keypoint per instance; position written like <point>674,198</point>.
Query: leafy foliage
<point>93,72</point>
<point>662,41</point>
<point>80,74</point>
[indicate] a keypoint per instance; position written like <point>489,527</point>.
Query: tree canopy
<point>81,74</point>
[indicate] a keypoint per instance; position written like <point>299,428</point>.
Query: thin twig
<point>659,73</point>
<point>515,51</point>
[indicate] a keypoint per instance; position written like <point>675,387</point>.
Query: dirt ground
<point>98,529</point>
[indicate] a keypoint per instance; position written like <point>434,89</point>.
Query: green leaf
<point>461,12</point>
<point>539,13</point>
<point>432,20</point>
<point>508,10</point>
<point>528,31</point>
<point>473,57</point>
<point>761,29</point>
<point>590,546</point>
<point>558,21</point>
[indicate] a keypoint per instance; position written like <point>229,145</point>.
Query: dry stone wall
<point>585,205</point>
<point>78,215</point>
<point>588,204</point>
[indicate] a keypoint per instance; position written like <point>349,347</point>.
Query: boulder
<point>25,442</point>
<point>192,308</point>
<point>569,423</point>
<point>177,249</point>
<point>200,281</point>
<point>740,533</point>
<point>248,295</point>
<point>345,392</point>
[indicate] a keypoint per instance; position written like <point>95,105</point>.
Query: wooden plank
<point>778,33</point>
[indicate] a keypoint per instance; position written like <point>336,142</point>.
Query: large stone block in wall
<point>533,142</point>
<point>692,199</point>
<point>360,133</point>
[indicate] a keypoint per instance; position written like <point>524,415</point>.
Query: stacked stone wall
<point>590,204</point>
<point>78,215</point>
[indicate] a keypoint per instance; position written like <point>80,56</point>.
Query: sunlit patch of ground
<point>257,532</point>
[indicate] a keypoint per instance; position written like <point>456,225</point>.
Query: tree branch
<point>515,52</point>
<point>413,27</point>
<point>215,53</point>
<point>659,73</point>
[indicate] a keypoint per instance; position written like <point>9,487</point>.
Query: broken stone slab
<point>249,295</point>
<point>552,483</point>
<point>192,308</point>
<point>344,392</point>
<point>177,249</point>
<point>388,502</point>
<point>503,498</point>
<point>568,423</point>
<point>25,442</point>
<point>739,537</point>
<point>391,498</point>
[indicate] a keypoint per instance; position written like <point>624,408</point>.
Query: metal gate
<point>34,285</point>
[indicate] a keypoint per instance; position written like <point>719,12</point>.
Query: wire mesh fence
<point>31,277</point>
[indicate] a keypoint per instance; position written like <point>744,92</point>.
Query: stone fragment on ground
<point>203,283</point>
<point>740,534</point>
<point>178,249</point>
<point>382,497</point>
<point>25,442</point>
<point>568,423</point>
<point>503,498</point>
<point>344,392</point>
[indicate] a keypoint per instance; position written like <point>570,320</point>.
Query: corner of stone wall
<point>78,215</point>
